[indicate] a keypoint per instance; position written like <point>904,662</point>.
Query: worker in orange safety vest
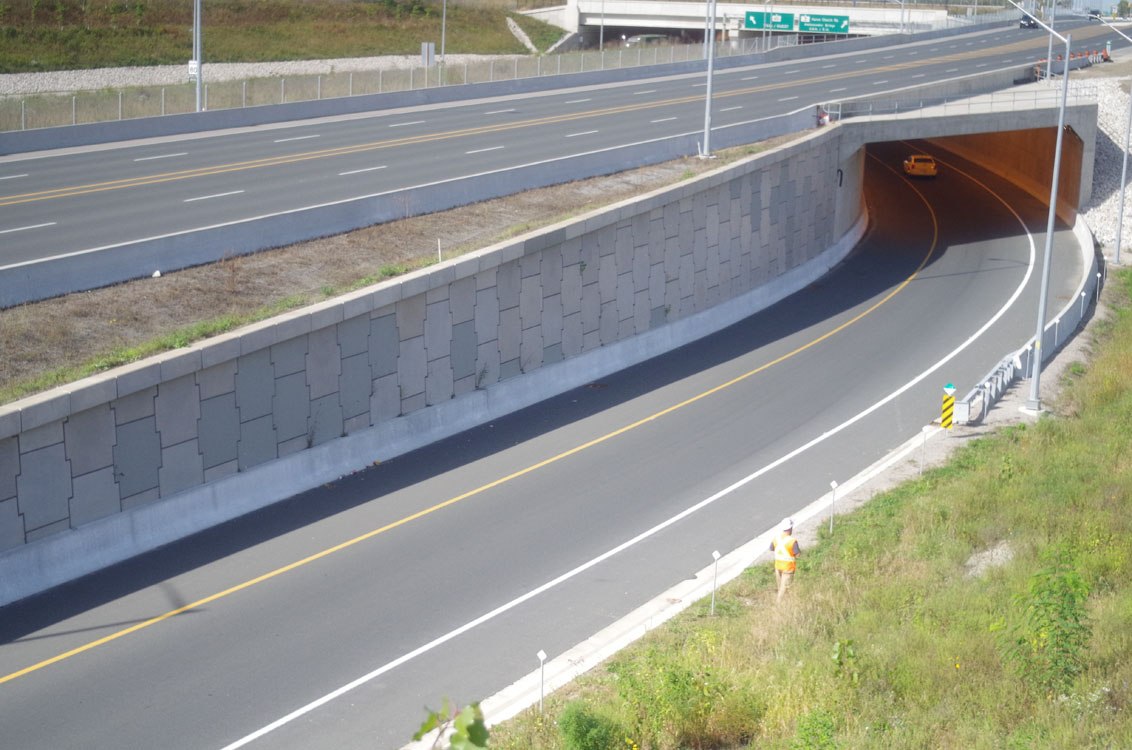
<point>786,551</point>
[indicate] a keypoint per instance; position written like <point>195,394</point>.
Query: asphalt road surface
<point>53,204</point>
<point>331,619</point>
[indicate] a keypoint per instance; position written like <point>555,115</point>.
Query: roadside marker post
<point>948,406</point>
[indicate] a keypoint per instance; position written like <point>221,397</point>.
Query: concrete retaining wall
<point>121,462</point>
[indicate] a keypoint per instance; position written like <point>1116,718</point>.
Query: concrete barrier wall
<point>124,461</point>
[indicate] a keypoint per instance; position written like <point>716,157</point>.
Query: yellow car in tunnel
<point>920,165</point>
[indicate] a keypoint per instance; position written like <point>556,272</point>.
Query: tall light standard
<point>710,31</point>
<point>197,45</point>
<point>601,32</point>
<point>1034,402</point>
<point>443,29</point>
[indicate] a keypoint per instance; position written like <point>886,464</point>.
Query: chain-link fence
<point>53,110</point>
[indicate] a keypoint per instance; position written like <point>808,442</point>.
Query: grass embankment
<point>887,639</point>
<point>38,35</point>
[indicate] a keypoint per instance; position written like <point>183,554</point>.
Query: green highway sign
<point>815,24</point>
<point>757,19</point>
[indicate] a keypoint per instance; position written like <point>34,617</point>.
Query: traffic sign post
<point>757,19</point>
<point>815,24</point>
<point>948,406</point>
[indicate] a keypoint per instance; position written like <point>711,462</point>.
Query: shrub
<point>584,728</point>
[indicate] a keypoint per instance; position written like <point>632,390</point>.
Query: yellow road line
<point>497,482</point>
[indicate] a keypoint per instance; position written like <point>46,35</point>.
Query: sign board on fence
<point>194,66</point>
<point>428,52</point>
<point>815,24</point>
<point>757,19</point>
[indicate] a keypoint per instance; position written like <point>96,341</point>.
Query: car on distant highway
<point>644,40</point>
<point>1094,15</point>
<point>920,165</point>
<point>1028,22</point>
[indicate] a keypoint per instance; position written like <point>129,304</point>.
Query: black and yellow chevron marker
<point>948,406</point>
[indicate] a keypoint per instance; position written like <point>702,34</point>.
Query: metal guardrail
<point>973,407</point>
<point>1004,101</point>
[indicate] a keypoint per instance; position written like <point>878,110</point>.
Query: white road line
<point>787,98</point>
<point>728,109</point>
<point>356,171</point>
<point>481,150</point>
<point>981,65</point>
<point>12,176</point>
<point>207,197</point>
<point>951,70</point>
<point>919,75</point>
<point>663,119</point>
<point>888,57</point>
<point>30,226</point>
<point>860,61</point>
<point>877,83</point>
<point>834,91</point>
<point>1007,61</point>
<point>748,78</point>
<point>296,138</point>
<point>499,111</point>
<point>935,49</point>
<point>584,132</point>
<point>403,124</point>
<point>789,72</point>
<point>831,65</point>
<point>726,491</point>
<point>695,85</point>
<point>162,156</point>
<point>646,91</point>
<point>577,101</point>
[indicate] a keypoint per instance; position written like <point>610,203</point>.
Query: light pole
<point>1034,402</point>
<point>601,32</point>
<point>710,69</point>
<point>197,46</point>
<point>443,29</point>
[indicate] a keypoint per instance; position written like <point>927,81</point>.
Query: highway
<point>54,204</point>
<point>331,619</point>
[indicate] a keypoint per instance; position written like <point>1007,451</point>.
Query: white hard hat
<point>787,524</point>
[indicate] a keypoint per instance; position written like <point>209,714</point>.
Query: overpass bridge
<point>686,19</point>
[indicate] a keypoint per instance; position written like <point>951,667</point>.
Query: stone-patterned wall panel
<point>531,349</point>
<point>326,419</point>
<point>412,368</point>
<point>217,380</point>
<point>257,442</point>
<point>439,384</point>
<point>384,345</point>
<point>255,379</point>
<point>11,524</point>
<point>551,270</point>
<point>510,334</point>
<point>591,308</point>
<point>181,467</point>
<point>462,300</point>
<point>96,495</point>
<point>385,403</point>
<point>356,383</point>
<point>137,456</point>
<point>89,441</point>
<point>438,330</point>
<point>572,289</point>
<point>486,315</point>
<point>292,406</point>
<point>530,302</point>
<point>324,362</point>
<point>178,410</point>
<point>289,357</point>
<point>219,429</point>
<point>463,349</point>
<point>44,487</point>
<point>507,284</point>
<point>487,364</point>
<point>9,466</point>
<point>551,325</point>
<point>353,336</point>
